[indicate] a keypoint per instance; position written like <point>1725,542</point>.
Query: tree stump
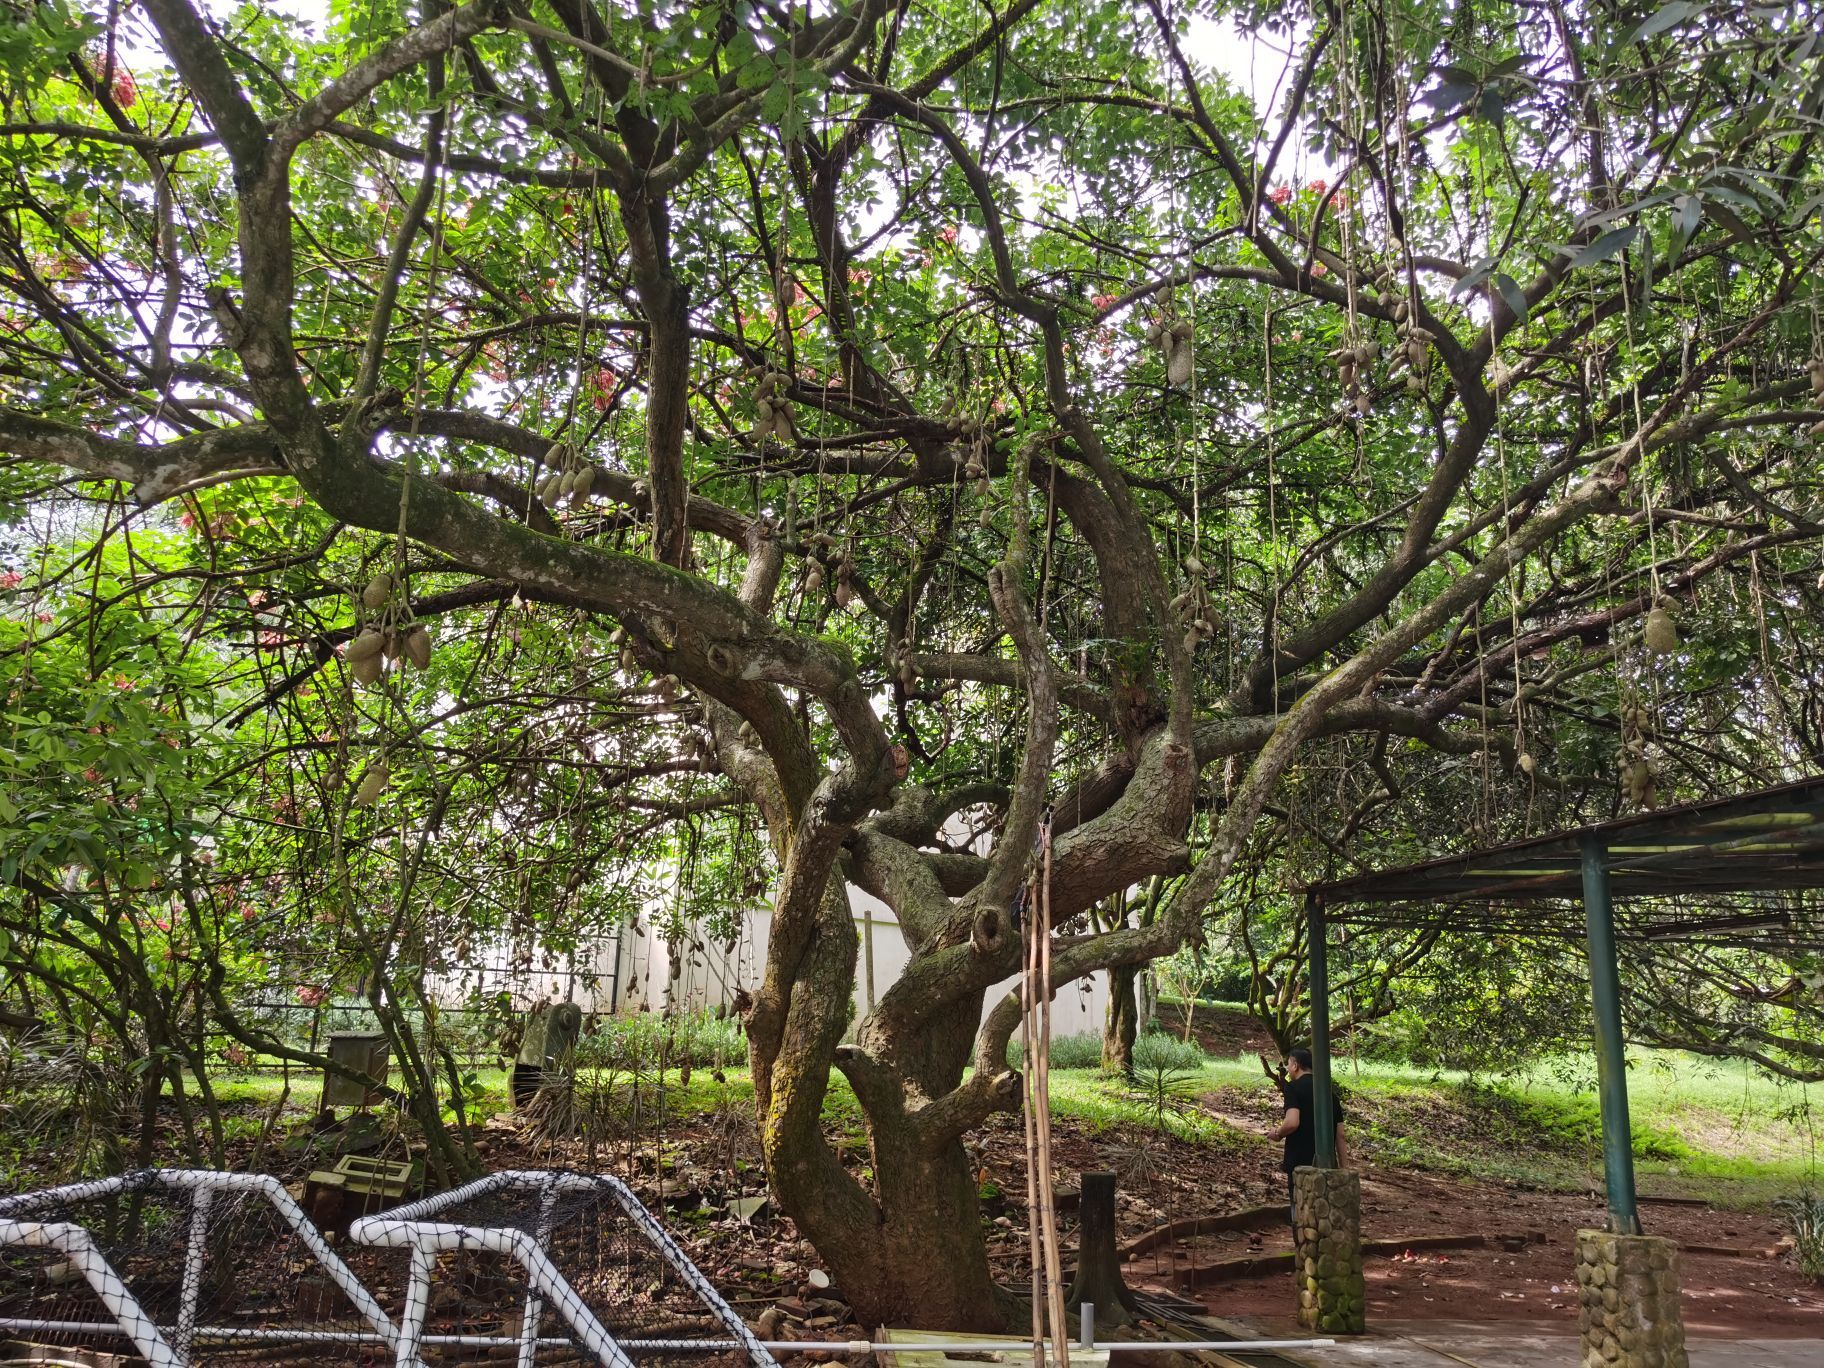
<point>1098,1278</point>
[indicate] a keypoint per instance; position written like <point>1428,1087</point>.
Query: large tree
<point>914,415</point>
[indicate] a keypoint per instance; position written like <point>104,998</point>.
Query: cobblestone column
<point>1327,1220</point>
<point>1628,1288</point>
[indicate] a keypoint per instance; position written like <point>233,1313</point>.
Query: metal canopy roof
<point>1761,842</point>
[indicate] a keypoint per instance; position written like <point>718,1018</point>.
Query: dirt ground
<point>1724,1295</point>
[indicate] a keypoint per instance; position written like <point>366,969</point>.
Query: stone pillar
<point>1628,1288</point>
<point>1327,1240</point>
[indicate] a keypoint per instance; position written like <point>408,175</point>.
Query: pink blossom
<point>10,579</point>
<point>1279,194</point>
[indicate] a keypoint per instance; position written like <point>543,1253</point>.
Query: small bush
<point>1161,1051</point>
<point>1805,1219</point>
<point>645,1041</point>
<point>1067,1052</point>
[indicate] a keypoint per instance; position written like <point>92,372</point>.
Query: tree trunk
<point>1098,1278</point>
<point>926,1266</point>
<point>909,1250</point>
<point>1122,1023</point>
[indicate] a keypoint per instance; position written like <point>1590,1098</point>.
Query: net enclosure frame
<point>1768,841</point>
<point>173,1346</point>
<point>413,1227</point>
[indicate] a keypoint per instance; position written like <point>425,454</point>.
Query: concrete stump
<point>1327,1247</point>
<point>1627,1286</point>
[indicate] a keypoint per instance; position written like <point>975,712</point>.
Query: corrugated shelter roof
<point>1760,842</point>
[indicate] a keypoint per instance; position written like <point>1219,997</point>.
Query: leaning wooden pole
<point>1029,969</point>
<point>1054,1279</point>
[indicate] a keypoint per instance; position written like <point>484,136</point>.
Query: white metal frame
<point>409,1226</point>
<point>130,1318</point>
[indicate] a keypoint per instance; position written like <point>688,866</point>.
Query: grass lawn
<point>1722,1130</point>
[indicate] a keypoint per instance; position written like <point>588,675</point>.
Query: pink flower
<point>312,996</point>
<point>1105,301</point>
<point>1319,269</point>
<point>10,579</point>
<point>1318,187</point>
<point>948,237</point>
<point>126,90</point>
<point>1279,194</point>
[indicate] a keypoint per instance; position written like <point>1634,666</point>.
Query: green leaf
<point>1609,244</point>
<point>1511,294</point>
<point>1687,217</point>
<point>1473,277</point>
<point>1664,18</point>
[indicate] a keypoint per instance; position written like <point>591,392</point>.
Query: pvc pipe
<point>205,1182</point>
<point>1015,1347</point>
<point>426,1239</point>
<point>74,1243</point>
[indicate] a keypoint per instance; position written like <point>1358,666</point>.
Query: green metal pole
<point>1611,1061</point>
<point>1323,1115</point>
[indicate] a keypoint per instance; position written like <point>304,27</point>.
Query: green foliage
<point>1162,1050</point>
<point>643,1042</point>
<point>1804,1216</point>
<point>1067,1052</point>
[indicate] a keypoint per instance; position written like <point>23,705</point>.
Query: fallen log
<point>1227,1269</point>
<point>1190,1227</point>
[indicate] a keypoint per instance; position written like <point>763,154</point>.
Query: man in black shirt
<point>1299,1128</point>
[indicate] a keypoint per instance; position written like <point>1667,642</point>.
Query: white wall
<point>632,972</point>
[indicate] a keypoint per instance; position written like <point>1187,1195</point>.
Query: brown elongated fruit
<point>373,784</point>
<point>364,647</point>
<point>379,589</point>
<point>368,669</point>
<point>418,647</point>
<point>1661,636</point>
<point>585,481</point>
<point>1179,363</point>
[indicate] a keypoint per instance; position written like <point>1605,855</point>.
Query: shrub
<point>1067,1052</point>
<point>1805,1219</point>
<point>643,1041</point>
<point>1162,1051</point>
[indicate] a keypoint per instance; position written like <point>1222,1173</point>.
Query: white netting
<point>570,1266</point>
<point>185,1268</point>
<point>188,1268</point>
